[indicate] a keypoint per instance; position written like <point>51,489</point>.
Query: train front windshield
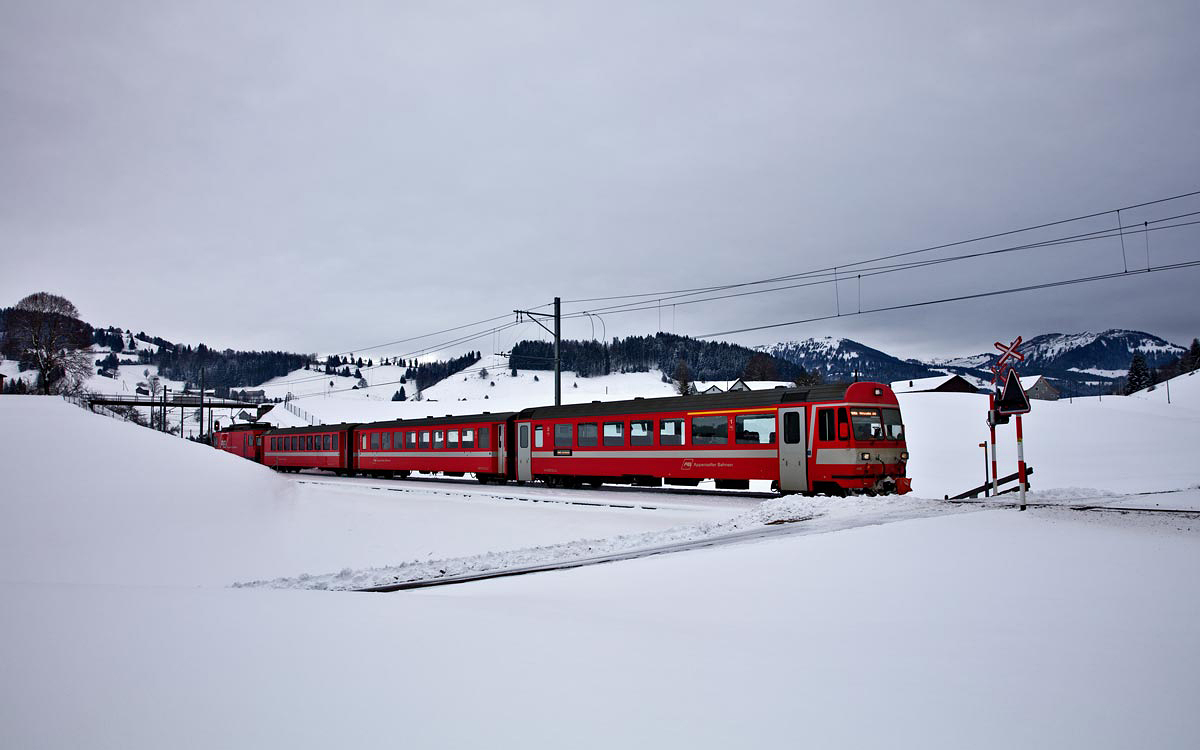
<point>870,424</point>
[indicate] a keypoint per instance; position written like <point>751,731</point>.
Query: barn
<point>1036,386</point>
<point>939,384</point>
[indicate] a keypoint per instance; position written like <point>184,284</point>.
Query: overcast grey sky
<point>321,176</point>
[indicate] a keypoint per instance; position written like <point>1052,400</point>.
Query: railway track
<point>795,527</point>
<point>800,526</point>
<point>1099,504</point>
<point>604,497</point>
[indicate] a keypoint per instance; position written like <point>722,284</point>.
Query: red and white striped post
<point>1021,460</point>
<point>992,430</point>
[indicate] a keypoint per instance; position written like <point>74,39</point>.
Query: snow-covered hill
<point>118,627</point>
<point>843,359</point>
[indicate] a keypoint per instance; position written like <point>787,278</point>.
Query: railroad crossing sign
<point>1007,352</point>
<point>1013,399</point>
<point>1002,403</point>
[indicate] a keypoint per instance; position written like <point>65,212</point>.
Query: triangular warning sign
<point>1013,399</point>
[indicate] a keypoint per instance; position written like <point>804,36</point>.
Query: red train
<point>830,439</point>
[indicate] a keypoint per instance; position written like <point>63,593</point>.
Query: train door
<point>524,453</point>
<point>793,457</point>
<point>501,450</point>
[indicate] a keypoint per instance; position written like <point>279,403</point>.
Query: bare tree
<point>46,334</point>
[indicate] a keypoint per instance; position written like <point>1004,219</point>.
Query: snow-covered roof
<point>754,385</point>
<point>921,384</point>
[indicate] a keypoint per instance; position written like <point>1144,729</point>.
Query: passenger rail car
<point>474,444</point>
<point>315,447</point>
<point>830,439</point>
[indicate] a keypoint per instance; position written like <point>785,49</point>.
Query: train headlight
<point>865,456</point>
<point>903,455</point>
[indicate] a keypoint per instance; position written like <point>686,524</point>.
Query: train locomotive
<point>828,439</point>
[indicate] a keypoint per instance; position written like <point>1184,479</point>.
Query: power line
<point>943,246</point>
<point>415,353</point>
<point>960,298</point>
<point>827,277</point>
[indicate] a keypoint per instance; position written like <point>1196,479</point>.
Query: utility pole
<point>556,333</point>
<point>557,352</point>
<point>201,404</point>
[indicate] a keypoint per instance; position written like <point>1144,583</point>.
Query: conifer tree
<point>1139,375</point>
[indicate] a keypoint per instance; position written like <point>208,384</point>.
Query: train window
<point>710,430</point>
<point>826,430</point>
<point>295,443</point>
<point>325,442</point>
<point>468,439</point>
<point>424,440</point>
<point>564,435</point>
<point>614,434</point>
<point>867,424</point>
<point>334,443</point>
<point>364,441</point>
<point>374,441</point>
<point>538,437</point>
<point>410,441</point>
<point>439,440</point>
<point>670,432</point>
<point>589,435</point>
<point>484,434</point>
<point>641,432</point>
<point>843,425</point>
<point>397,440</point>
<point>386,441</point>
<point>452,439</point>
<point>523,436</point>
<point>791,427</point>
<point>754,429</point>
<point>892,426</point>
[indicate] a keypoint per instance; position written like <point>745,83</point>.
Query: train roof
<point>705,402</point>
<point>243,426</point>
<point>449,419</point>
<point>340,427</point>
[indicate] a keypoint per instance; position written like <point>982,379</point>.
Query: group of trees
<point>707,360</point>
<point>426,374</point>
<point>225,369</point>
<point>1142,376</point>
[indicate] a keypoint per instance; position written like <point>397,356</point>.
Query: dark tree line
<point>706,360</point>
<point>222,369</point>
<point>427,374</point>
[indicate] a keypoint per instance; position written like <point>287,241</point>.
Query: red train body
<point>243,440</point>
<point>827,439</point>
<point>449,445</point>
<point>317,447</point>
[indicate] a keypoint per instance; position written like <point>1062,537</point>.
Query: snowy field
<point>886,622</point>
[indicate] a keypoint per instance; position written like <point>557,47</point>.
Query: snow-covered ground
<point>885,622</point>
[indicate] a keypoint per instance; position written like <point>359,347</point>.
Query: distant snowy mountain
<point>844,359</point>
<point>1076,363</point>
<point>1110,350</point>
